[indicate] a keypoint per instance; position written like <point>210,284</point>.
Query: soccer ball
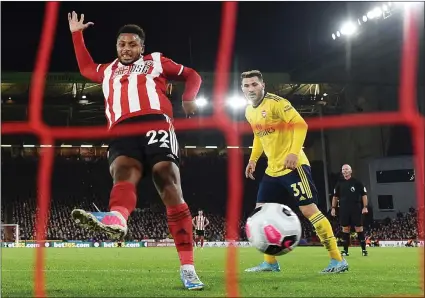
<point>273,229</point>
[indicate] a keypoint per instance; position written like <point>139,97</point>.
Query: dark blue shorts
<point>295,188</point>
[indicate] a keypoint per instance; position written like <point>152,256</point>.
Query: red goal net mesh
<point>406,115</point>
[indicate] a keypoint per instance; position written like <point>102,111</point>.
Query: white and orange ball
<point>273,229</point>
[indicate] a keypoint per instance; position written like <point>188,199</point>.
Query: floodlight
<point>348,28</point>
<point>375,13</point>
<point>237,102</point>
<point>201,102</point>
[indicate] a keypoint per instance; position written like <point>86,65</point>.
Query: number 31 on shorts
<point>300,190</point>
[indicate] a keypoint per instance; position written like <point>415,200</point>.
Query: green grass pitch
<point>151,272</point>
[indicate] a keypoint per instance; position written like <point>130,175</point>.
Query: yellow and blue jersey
<point>280,184</point>
<point>274,142</point>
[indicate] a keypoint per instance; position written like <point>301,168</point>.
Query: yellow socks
<point>269,259</point>
<point>324,231</point>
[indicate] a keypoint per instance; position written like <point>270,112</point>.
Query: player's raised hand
<point>189,108</point>
<point>250,169</point>
<point>291,161</point>
<point>75,24</point>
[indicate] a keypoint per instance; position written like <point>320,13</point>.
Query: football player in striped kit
<point>200,222</point>
<point>134,86</point>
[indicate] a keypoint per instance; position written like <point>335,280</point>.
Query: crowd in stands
<point>85,183</point>
<point>404,226</point>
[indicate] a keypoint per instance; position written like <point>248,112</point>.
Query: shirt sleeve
<point>176,71</point>
<point>362,188</point>
<point>88,68</point>
<point>171,69</point>
<point>288,114</point>
<point>337,191</point>
<point>257,147</point>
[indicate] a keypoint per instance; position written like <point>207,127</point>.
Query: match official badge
<point>263,113</point>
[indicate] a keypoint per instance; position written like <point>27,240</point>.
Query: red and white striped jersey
<point>138,88</point>
<point>200,222</point>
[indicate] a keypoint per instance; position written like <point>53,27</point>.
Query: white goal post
<point>16,232</point>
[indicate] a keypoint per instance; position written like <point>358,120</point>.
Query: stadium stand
<point>80,182</point>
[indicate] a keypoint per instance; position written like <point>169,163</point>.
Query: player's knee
<point>346,229</point>
<point>309,210</point>
<point>358,229</point>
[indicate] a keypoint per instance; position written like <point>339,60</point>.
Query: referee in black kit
<point>352,197</point>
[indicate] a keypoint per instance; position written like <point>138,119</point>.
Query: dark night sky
<point>271,36</point>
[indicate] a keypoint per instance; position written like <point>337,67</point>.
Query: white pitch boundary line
<point>109,270</point>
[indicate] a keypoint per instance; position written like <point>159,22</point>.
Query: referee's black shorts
<point>349,217</point>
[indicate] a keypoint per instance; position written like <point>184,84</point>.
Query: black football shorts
<point>200,233</point>
<point>293,189</point>
<point>351,217</point>
<point>149,148</point>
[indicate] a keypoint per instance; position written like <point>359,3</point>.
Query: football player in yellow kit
<point>279,132</point>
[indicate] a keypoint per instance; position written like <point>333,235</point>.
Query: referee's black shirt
<point>350,193</point>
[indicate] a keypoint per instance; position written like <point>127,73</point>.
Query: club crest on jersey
<point>352,189</point>
<point>263,113</point>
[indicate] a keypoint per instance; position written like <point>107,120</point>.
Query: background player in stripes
<point>200,222</point>
<point>134,87</point>
<point>352,197</point>
<point>288,173</point>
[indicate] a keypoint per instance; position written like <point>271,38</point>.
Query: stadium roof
<point>83,101</point>
<point>63,84</point>
<point>70,100</point>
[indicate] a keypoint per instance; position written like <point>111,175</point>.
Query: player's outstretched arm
<point>88,68</point>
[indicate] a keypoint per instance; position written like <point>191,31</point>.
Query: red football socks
<point>180,225</point>
<point>123,198</point>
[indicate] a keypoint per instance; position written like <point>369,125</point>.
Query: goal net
<point>10,233</point>
<point>407,115</point>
